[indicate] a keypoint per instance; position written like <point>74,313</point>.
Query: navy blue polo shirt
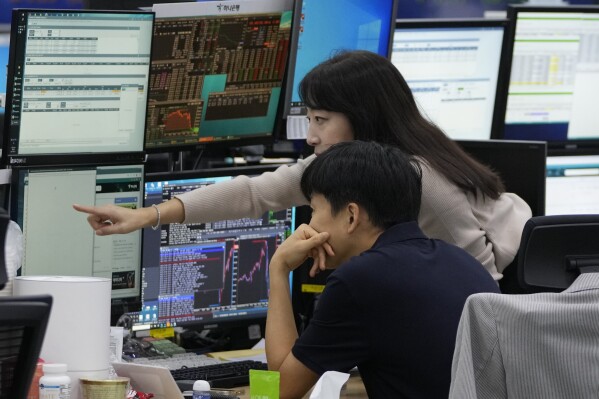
<point>393,311</point>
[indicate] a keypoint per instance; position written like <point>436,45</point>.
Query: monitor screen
<point>207,273</point>
<point>4,46</point>
<point>6,7</point>
<point>554,75</point>
<point>572,185</point>
<point>57,240</point>
<point>452,67</point>
<point>217,73</point>
<point>322,28</point>
<point>78,85</point>
<point>520,164</point>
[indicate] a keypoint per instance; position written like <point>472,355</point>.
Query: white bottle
<point>55,383</point>
<point>201,390</point>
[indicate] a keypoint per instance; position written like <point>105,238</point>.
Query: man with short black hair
<point>393,304</point>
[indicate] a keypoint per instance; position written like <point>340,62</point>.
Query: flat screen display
<point>57,240</point>
<point>78,86</point>
<point>217,73</point>
<point>4,47</point>
<point>6,7</point>
<point>554,76</point>
<point>322,28</point>
<point>452,67</point>
<point>572,185</point>
<point>207,273</point>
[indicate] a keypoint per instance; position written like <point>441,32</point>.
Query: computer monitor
<point>572,185</point>
<point>78,87</point>
<point>520,164</point>
<point>322,28</point>
<point>452,67</point>
<point>217,73</point>
<point>211,276</point>
<point>57,240</point>
<point>6,7</point>
<point>4,47</point>
<point>554,75</point>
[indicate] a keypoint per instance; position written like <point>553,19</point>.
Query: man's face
<point>323,221</point>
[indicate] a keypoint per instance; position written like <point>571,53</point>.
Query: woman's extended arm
<point>241,197</point>
<point>246,196</point>
<point>112,219</point>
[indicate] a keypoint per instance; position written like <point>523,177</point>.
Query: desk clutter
<point>187,367</point>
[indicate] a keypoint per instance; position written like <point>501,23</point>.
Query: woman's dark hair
<point>369,90</point>
<point>380,178</point>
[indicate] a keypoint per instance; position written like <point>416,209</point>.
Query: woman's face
<point>327,128</point>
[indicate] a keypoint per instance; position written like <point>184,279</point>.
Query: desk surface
<point>353,389</point>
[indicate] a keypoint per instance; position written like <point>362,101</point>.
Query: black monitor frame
<point>554,250</point>
<point>502,78</point>
<point>225,147</point>
<point>14,86</point>
<point>297,15</point>
<point>520,164</point>
<point>233,329</point>
<point>512,13</point>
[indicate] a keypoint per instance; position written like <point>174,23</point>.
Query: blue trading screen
<point>328,26</point>
<point>206,272</point>
<point>4,45</point>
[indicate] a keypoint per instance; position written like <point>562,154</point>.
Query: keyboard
<point>177,361</point>
<point>221,375</point>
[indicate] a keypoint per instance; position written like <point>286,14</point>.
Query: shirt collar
<point>400,232</point>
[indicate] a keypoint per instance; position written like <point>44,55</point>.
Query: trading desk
<point>353,389</point>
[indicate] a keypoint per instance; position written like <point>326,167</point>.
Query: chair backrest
<point>554,250</point>
<point>542,344</point>
<point>23,322</point>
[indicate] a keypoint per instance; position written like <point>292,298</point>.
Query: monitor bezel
<point>293,53</point>
<point>512,14</point>
<point>52,159</point>
<point>230,145</point>
<point>431,23</point>
<point>233,324</point>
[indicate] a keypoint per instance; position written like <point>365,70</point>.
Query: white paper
<point>329,385</point>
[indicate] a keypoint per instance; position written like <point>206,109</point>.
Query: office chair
<point>544,344</point>
<point>23,322</point>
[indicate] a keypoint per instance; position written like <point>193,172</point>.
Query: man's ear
<point>353,217</point>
